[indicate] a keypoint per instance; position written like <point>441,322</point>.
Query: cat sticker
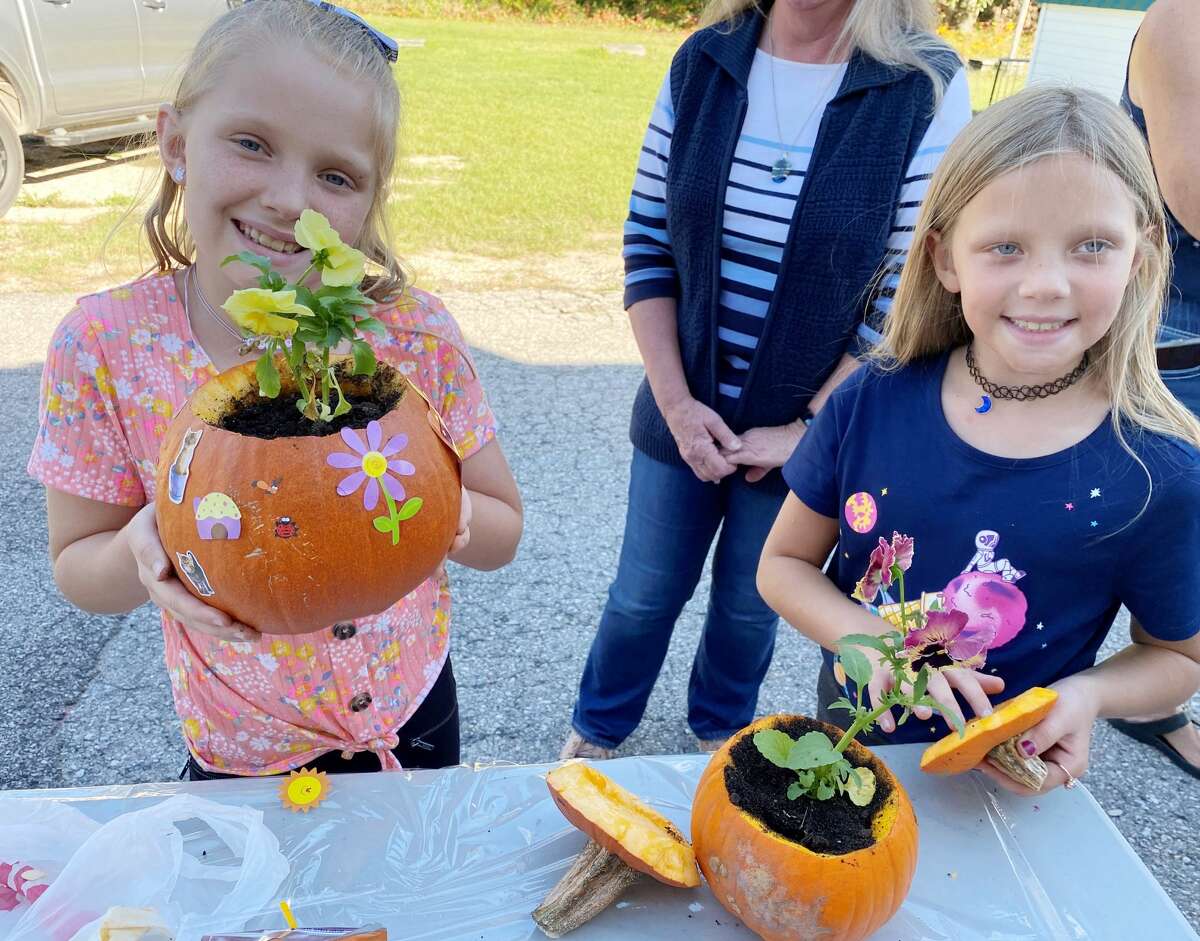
<point>178,476</point>
<point>190,566</point>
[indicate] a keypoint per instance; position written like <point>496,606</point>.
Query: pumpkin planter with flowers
<point>800,830</point>
<point>306,488</point>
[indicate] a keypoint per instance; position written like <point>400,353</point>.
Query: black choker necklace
<point>1020,393</point>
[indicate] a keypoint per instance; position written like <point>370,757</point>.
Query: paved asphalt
<point>84,700</point>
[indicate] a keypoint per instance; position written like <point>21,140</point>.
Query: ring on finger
<point>1071,779</point>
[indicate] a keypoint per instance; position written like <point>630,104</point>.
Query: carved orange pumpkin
<point>293,534</point>
<point>780,889</point>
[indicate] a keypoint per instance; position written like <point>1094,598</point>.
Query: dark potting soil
<point>258,417</point>
<point>833,826</point>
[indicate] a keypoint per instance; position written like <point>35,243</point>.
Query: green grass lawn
<point>545,122</point>
<point>517,138</point>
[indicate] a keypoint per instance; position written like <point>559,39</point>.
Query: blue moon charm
<point>985,404</point>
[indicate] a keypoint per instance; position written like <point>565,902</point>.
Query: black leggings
<point>429,739</point>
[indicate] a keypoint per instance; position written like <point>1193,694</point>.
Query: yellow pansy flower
<point>342,265</point>
<point>258,310</point>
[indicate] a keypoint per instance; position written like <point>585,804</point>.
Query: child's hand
<point>166,591</point>
<point>973,686</point>
<point>462,537</point>
<point>1063,739</point>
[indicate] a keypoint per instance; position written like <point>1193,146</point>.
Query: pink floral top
<point>118,367</point>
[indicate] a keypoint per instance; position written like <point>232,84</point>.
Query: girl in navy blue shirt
<point>1014,423</point>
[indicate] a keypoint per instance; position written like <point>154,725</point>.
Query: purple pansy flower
<point>944,642</point>
<point>879,573</point>
<point>372,464</point>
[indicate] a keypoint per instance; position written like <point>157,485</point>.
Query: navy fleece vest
<point>867,138</point>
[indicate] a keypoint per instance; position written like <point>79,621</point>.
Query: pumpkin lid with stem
<point>956,753</point>
<point>616,819</point>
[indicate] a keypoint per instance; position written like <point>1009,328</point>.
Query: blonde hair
<point>344,46</point>
<point>1045,121</point>
<point>899,33</point>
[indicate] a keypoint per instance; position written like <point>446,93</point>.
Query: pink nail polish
<point>1028,747</point>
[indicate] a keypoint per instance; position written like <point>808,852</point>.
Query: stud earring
<point>177,174</point>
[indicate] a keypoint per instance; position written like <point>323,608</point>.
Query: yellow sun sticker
<point>303,790</point>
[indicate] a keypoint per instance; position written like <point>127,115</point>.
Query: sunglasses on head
<point>383,42</point>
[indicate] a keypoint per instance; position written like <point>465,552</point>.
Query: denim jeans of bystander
<point>670,524</point>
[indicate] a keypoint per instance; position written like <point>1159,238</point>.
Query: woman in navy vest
<point>1162,94</point>
<point>775,194</point>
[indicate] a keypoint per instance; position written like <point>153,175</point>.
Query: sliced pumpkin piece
<point>626,838</point>
<point>996,736</point>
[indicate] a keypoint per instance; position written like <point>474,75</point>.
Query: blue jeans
<point>669,526</point>
<point>1181,322</point>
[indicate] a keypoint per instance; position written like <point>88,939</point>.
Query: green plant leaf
<point>856,664</point>
<point>412,506</point>
<point>364,358</point>
<point>267,375</point>
<point>260,262</point>
<point>811,750</point>
<point>919,686</point>
<point>372,325</point>
<point>952,717</point>
<point>864,640</point>
<point>794,790</point>
<point>806,779</point>
<point>842,703</point>
<point>825,790</point>
<point>305,296</point>
<point>860,786</point>
<point>774,746</point>
<point>904,716</point>
<point>383,523</point>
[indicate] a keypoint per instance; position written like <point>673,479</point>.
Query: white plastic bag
<point>140,860</point>
<point>41,833</point>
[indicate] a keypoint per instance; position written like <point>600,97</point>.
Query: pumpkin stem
<point>1024,769</point>
<point>595,880</point>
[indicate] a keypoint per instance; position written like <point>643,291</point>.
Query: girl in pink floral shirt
<point>250,142</point>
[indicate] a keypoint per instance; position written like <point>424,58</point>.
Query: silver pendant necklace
<point>782,168</point>
<point>247,344</point>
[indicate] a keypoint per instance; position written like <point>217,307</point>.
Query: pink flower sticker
<point>372,464</point>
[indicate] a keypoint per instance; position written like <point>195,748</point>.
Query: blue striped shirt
<point>786,106</point>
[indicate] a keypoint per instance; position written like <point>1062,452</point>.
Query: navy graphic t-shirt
<point>1043,550</point>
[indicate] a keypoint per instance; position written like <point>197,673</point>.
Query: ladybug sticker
<point>285,528</point>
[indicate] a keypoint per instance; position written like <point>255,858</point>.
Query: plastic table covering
<point>469,853</point>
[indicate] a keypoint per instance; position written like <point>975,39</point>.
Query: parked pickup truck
<point>77,71</point>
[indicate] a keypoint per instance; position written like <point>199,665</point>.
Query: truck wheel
<point>12,162</point>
